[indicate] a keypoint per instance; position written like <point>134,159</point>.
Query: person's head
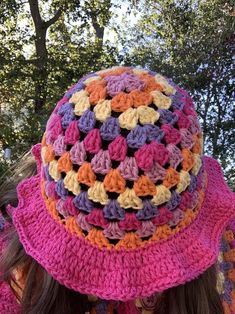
<point>24,168</point>
<point>34,288</point>
<point>38,292</point>
<point>124,205</point>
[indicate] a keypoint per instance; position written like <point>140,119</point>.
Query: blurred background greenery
<point>46,46</point>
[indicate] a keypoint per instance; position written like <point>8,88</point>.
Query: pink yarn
<point>175,155</point>
<point>172,136</point>
<point>189,107</point>
<point>96,218</point>
<point>112,231</point>
<point>147,229</point>
<point>92,141</point>
<point>82,222</point>
<point>101,162</point>
<point>61,208</point>
<point>8,304</point>
<point>129,169</point>
<point>183,121</point>
<point>77,153</point>
<point>72,133</point>
<point>164,217</point>
<point>68,204</point>
<point>160,153</point>
<point>156,173</point>
<point>113,274</point>
<point>187,139</point>
<point>144,157</point>
<point>195,127</point>
<point>54,128</point>
<point>36,151</point>
<point>59,145</point>
<point>150,258</point>
<point>118,148</point>
<point>185,200</point>
<point>177,217</point>
<point>50,189</point>
<point>130,222</point>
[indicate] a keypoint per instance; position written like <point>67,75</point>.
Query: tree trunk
<point>41,68</point>
<point>40,73</point>
<point>99,30</point>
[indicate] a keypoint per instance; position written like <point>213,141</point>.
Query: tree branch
<point>34,9</point>
<point>54,18</point>
<point>99,30</point>
<point>37,19</point>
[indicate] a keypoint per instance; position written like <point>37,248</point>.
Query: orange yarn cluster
<point>125,155</point>
<point>131,240</point>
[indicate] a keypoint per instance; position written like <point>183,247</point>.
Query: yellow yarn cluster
<point>53,170</point>
<point>184,181</point>
<point>167,88</point>
<point>81,101</point>
<point>71,183</point>
<point>97,193</point>
<point>129,199</point>
<point>163,195</point>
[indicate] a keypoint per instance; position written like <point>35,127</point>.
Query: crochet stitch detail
<point>126,154</point>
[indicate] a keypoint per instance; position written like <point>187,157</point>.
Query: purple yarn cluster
<point>124,82</point>
<point>167,117</point>
<point>137,137</point>
<point>174,201</point>
<point>82,202</point>
<point>113,211</point>
<point>67,118</point>
<point>47,176</point>
<point>148,212</point>
<point>153,133</point>
<point>110,129</point>
<point>2,223</point>
<point>61,190</point>
<point>193,183</point>
<point>87,121</point>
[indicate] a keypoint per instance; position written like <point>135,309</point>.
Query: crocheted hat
<point>123,205</point>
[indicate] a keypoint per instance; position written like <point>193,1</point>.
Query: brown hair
<point>199,296</point>
<point>43,294</point>
<point>24,168</point>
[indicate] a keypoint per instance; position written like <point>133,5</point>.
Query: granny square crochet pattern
<point>124,204</point>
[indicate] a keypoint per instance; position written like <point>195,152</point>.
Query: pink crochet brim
<point>124,275</point>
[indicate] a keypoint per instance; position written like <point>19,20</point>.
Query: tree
<point>192,43</point>
<point>41,28</point>
<point>43,42</point>
<point>48,45</point>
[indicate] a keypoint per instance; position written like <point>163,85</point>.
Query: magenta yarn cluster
<point>122,158</point>
<point>123,204</point>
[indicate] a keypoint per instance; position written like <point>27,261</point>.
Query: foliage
<point>47,45</point>
<point>192,42</point>
<point>71,49</point>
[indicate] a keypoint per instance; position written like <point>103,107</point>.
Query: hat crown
<point>122,159</point>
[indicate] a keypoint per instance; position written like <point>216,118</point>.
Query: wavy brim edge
<point>124,275</point>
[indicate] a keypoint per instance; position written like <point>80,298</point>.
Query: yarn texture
<point>124,204</point>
